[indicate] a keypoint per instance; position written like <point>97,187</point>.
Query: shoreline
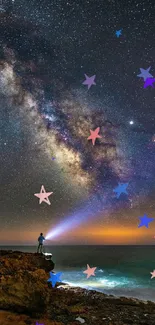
<point>27,298</point>
<point>115,294</point>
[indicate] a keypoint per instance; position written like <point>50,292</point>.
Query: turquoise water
<point>121,270</point>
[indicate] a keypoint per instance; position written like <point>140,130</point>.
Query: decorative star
<point>121,188</point>
<point>153,274</point>
<point>43,196</point>
<point>118,32</point>
<point>149,82</point>
<point>145,73</point>
<point>54,278</point>
<point>89,81</point>
<point>145,221</point>
<point>90,271</point>
<point>94,135</point>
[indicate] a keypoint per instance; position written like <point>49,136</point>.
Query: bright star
<point>131,122</point>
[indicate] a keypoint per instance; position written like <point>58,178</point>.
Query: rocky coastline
<point>26,298</point>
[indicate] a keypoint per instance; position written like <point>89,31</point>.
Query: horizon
<point>77,245</point>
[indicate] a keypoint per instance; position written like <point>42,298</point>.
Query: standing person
<point>40,240</point>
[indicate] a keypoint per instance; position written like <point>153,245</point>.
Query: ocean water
<point>121,270</point>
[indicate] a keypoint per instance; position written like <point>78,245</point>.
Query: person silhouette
<point>40,240</point>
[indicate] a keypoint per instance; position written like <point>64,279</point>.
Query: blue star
<point>145,221</point>
<point>145,73</point>
<point>54,278</point>
<point>118,32</point>
<point>121,188</point>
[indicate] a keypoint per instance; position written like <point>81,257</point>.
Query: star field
<point>47,111</point>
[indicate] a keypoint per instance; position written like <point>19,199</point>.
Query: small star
<point>53,158</point>
<point>89,81</point>
<point>131,122</point>
<point>153,138</point>
<point>149,82</point>
<point>90,271</point>
<point>145,221</point>
<point>54,278</point>
<point>153,274</point>
<point>121,188</point>
<point>94,135</point>
<point>118,32</point>
<point>145,73</point>
<point>43,196</point>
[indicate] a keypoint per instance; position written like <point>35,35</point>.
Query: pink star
<point>89,81</point>
<point>90,271</point>
<point>43,196</point>
<point>94,135</point>
<point>153,274</point>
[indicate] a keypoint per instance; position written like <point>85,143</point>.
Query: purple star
<point>149,82</point>
<point>53,158</point>
<point>89,81</point>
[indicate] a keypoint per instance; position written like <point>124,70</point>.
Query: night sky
<point>46,114</point>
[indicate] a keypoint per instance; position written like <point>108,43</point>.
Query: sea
<point>120,270</point>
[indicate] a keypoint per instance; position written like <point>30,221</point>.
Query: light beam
<point>92,207</point>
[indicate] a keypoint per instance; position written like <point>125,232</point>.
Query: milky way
<point>62,126</point>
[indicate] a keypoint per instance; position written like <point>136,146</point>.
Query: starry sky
<point>46,114</point>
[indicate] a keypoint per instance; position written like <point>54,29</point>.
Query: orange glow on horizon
<point>105,235</point>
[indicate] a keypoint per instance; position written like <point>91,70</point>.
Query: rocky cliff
<point>27,299</point>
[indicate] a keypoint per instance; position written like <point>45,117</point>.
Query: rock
<point>27,298</point>
<point>81,320</point>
